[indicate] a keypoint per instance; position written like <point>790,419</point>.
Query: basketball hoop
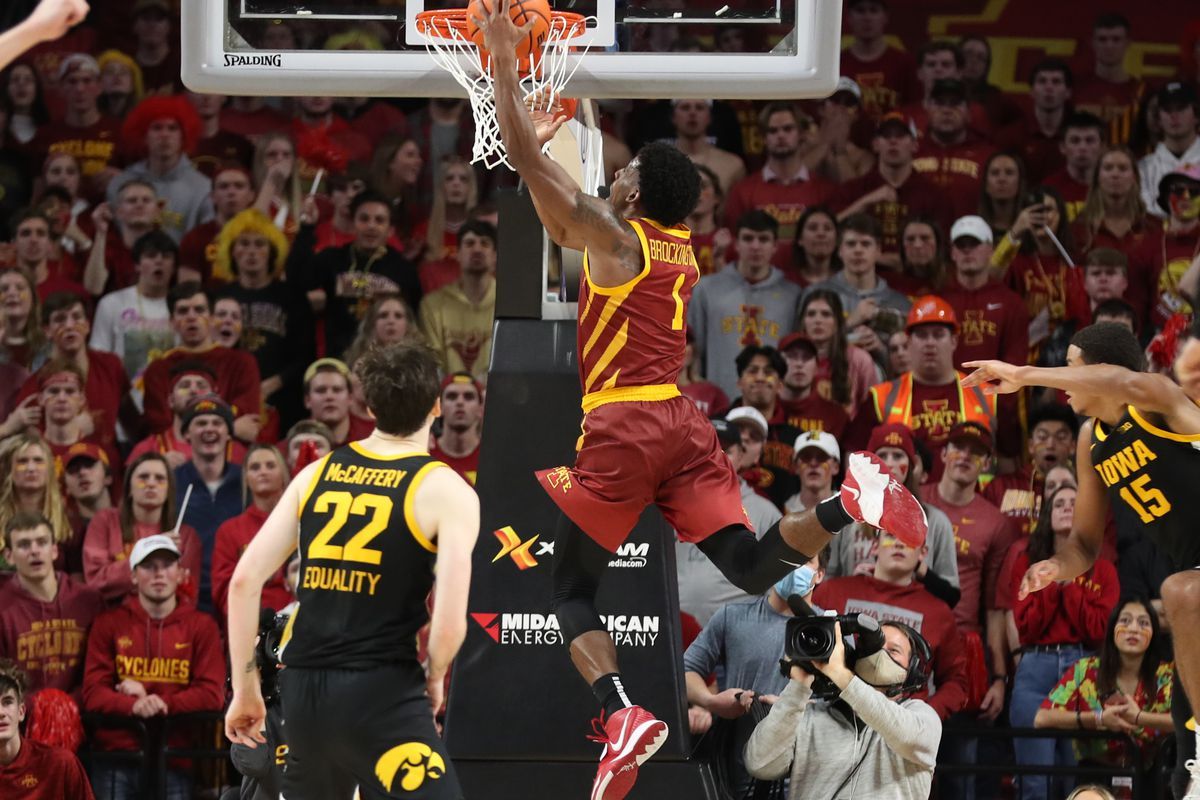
<point>445,34</point>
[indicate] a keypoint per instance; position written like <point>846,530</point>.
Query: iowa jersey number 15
<point>1150,503</point>
<point>376,507</point>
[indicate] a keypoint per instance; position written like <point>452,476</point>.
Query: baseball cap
<point>973,432</point>
<point>207,404</point>
<point>948,87</point>
<point>77,62</point>
<point>849,85</point>
<point>894,119</point>
<point>792,339</point>
<point>972,226</point>
<point>751,415</point>
<point>727,433</point>
<point>338,366</point>
<point>893,434</point>
<point>821,440</point>
<point>463,378</point>
<point>151,545</point>
<point>1187,172</point>
<point>85,450</point>
<point>1176,93</point>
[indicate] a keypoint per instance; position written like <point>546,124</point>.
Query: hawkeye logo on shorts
<point>627,630</point>
<point>631,555</point>
<point>414,761</point>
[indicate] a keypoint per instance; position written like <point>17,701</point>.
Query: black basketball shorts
<point>367,728</point>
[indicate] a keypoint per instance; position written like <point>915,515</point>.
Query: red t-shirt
<point>1048,281</point>
<point>1074,193</point>
<point>1115,103</point>
<point>466,466</point>
<point>814,413</point>
<point>993,323</point>
<point>233,537</point>
<point>43,772</point>
<point>1169,257</point>
<point>1139,244</point>
<point>96,146</point>
<point>956,169</point>
<point>1018,496</point>
<point>982,537</point>
<point>238,382</point>
<point>783,201</point>
<point>888,82</point>
<point>107,384</point>
<point>916,196</point>
<point>48,639</point>
<point>198,251</point>
<point>1075,612</point>
<point>708,259</point>
<point>1039,152</point>
<point>708,397</point>
<point>915,606</point>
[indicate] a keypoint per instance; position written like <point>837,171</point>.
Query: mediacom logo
<point>627,630</point>
<point>631,555</point>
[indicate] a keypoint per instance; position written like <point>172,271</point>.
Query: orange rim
<point>445,23</point>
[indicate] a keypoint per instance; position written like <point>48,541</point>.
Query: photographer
<point>873,739</point>
<point>262,767</point>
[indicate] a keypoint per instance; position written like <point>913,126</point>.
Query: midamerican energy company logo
<point>627,630</point>
<point>512,546</point>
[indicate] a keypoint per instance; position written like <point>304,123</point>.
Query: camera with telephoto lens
<point>266,651</point>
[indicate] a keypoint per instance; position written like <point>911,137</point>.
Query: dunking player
<point>642,441</point>
<point>1141,452</point>
<point>374,516</point>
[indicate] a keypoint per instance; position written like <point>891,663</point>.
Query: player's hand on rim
<point>1038,577</point>
<point>500,33</point>
<point>994,377</point>
<point>244,720</point>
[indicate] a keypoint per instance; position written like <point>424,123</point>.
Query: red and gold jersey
<point>631,337</point>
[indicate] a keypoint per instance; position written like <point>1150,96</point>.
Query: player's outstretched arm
<point>573,218</point>
<point>1146,391</point>
<point>266,553</point>
<point>447,510</point>
<point>49,21</point>
<point>1082,547</point>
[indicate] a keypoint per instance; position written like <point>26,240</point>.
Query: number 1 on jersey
<point>343,505</point>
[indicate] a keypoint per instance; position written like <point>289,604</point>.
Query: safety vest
<point>896,405</point>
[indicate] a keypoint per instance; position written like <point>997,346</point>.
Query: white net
<point>445,35</point>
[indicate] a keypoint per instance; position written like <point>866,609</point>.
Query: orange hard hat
<point>931,309</point>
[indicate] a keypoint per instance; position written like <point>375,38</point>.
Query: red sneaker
<point>872,495</point>
<point>630,737</point>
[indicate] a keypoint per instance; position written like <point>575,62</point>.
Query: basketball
<point>529,49</point>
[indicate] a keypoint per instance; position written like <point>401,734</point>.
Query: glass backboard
<point>637,48</point>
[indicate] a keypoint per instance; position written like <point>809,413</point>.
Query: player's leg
<point>1181,602</point>
<point>631,734</point>
<point>312,772</point>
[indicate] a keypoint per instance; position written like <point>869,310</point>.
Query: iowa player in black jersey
<point>1141,453</point>
<point>374,518</point>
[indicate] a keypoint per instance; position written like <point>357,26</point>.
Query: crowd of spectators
<point>185,289</point>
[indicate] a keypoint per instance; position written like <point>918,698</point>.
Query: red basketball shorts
<point>636,453</point>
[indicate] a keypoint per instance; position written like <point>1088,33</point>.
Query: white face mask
<point>880,670</point>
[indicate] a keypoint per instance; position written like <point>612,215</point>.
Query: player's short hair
<point>1106,257</point>
<point>481,228</point>
<point>770,353</point>
<point>186,291</point>
<point>1116,307</point>
<point>668,182</point>
<point>12,678</point>
<point>1052,64</point>
<point>1085,120</point>
<point>1110,343</point>
<point>1053,412</point>
<point>757,220</point>
<point>368,196</point>
<point>25,521</point>
<point>60,301</point>
<point>864,224</point>
<point>1112,19</point>
<point>400,383</point>
<point>155,243</point>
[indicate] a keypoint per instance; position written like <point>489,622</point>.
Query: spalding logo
<point>418,762</point>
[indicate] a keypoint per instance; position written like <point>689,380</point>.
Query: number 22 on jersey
<point>344,505</point>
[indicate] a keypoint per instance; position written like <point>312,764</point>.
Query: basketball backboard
<point>749,49</point>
